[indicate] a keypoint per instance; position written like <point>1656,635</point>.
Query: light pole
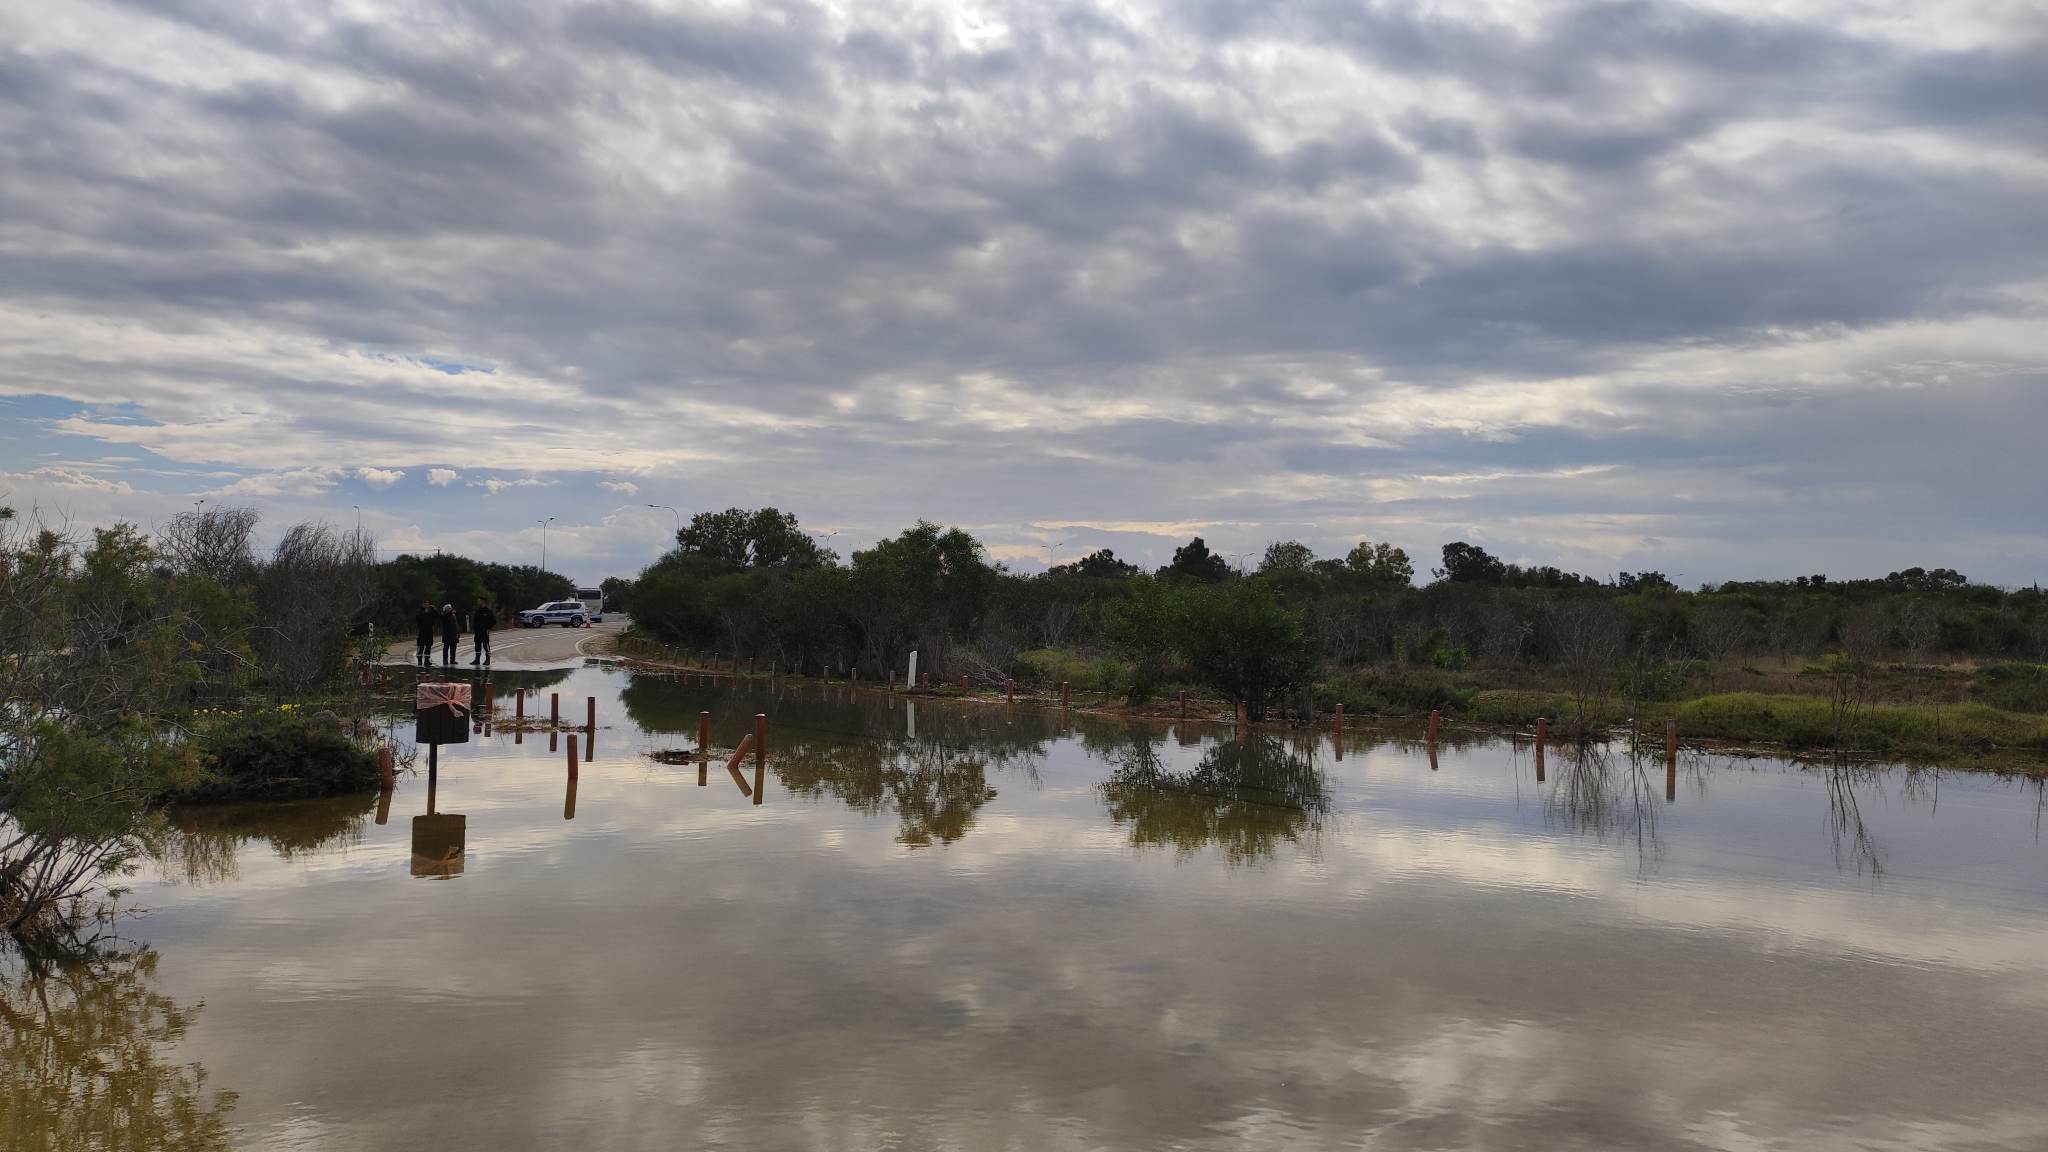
<point>678,515</point>
<point>359,518</point>
<point>196,504</point>
<point>544,541</point>
<point>1049,553</point>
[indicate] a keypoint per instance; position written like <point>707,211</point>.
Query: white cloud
<point>292,482</point>
<point>73,478</point>
<point>493,487</point>
<point>442,477</point>
<point>622,487</point>
<point>380,477</point>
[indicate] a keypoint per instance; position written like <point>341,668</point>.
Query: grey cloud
<point>773,207</point>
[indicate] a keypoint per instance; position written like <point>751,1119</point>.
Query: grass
<point>1918,731</point>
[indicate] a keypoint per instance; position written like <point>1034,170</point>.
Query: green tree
<point>1194,562</point>
<point>1380,563</point>
<point>1244,644</point>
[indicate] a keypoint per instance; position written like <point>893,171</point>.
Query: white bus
<point>593,603</point>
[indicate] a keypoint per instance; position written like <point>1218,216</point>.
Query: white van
<point>593,603</point>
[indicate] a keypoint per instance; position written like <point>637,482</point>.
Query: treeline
<point>753,584</point>
<point>404,583</point>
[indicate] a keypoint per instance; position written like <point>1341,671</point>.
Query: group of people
<point>449,625</point>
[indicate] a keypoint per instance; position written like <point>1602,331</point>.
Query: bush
<point>2012,687</point>
<point>280,755</point>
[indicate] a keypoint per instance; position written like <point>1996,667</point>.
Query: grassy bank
<point>1947,733</point>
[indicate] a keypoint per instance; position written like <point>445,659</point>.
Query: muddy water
<point>968,927</point>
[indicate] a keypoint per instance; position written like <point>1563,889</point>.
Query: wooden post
<point>1436,720</point>
<point>703,731</point>
<point>384,769</point>
<point>384,806</point>
<point>590,713</point>
<point>1542,738</point>
<point>1009,691</point>
<point>1063,693</point>
<point>963,683</point>
<point>1340,717</point>
<point>760,755</point>
<point>1671,740</point>
<point>554,708</point>
<point>572,755</point>
<point>519,706</point>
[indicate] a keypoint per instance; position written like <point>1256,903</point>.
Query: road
<point>517,647</point>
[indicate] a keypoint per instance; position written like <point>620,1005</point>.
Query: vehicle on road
<point>593,603</point>
<point>567,613</point>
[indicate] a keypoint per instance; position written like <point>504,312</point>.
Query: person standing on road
<point>481,622</point>
<point>424,620</point>
<point>451,633</point>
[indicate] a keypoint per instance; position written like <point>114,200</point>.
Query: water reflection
<point>935,792</point>
<point>84,1053</point>
<point>1244,797</point>
<point>1606,791</point>
<point>201,844</point>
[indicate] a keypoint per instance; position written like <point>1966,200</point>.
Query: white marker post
<point>913,667</point>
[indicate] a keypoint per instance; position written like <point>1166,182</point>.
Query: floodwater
<point>965,926</point>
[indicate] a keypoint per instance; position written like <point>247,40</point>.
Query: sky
<point>1726,290</point>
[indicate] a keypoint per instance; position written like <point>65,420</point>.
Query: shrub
<point>280,755</point>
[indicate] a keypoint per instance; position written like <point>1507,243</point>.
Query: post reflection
<point>437,845</point>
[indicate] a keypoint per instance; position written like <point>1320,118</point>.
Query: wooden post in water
<point>519,705</point>
<point>1009,691</point>
<point>1542,737</point>
<point>554,708</point>
<point>1063,693</point>
<point>963,683</point>
<point>1436,720</point>
<point>572,755</point>
<point>760,755</point>
<point>384,806</point>
<point>1671,761</point>
<point>384,769</point>
<point>590,713</point>
<point>1340,717</point>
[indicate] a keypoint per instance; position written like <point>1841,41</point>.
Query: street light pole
<point>544,541</point>
<point>671,511</point>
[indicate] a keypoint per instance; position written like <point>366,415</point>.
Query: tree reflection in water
<point>85,1057</point>
<point>1596,793</point>
<point>1242,797</point>
<point>935,787</point>
<point>199,844</point>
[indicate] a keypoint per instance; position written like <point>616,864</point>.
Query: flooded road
<point>949,926</point>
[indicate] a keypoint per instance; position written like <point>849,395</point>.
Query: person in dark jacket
<point>424,620</point>
<point>481,621</point>
<point>451,633</point>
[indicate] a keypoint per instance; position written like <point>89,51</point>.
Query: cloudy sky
<point>1726,289</point>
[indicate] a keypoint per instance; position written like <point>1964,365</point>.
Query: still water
<point>950,926</point>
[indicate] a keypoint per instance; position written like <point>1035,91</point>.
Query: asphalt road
<point>517,647</point>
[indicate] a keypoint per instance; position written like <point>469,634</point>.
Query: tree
<point>1287,556</point>
<point>738,539</point>
<point>1194,562</point>
<point>1100,564</point>
<point>1244,644</point>
<point>1143,628</point>
<point>1470,564</point>
<point>1380,563</point>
